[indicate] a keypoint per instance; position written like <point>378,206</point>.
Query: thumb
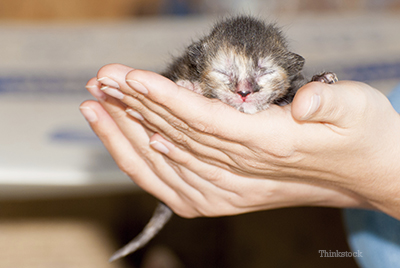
<point>325,103</point>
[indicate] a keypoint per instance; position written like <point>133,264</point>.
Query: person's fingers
<point>158,118</point>
<point>265,193</point>
<point>120,148</point>
<point>113,76</point>
<point>210,114</point>
<point>200,124</point>
<point>110,123</point>
<point>92,86</point>
<point>128,143</point>
<point>210,174</point>
<point>334,104</point>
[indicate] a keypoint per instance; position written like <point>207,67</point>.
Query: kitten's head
<point>245,63</point>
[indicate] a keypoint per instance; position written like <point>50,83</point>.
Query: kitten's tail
<point>160,217</point>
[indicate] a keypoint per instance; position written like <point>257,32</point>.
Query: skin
<point>335,145</point>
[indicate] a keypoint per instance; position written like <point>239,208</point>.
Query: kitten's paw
<point>193,86</point>
<point>326,77</point>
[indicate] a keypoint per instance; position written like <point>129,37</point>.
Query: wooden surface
<point>75,9</point>
<point>85,232</point>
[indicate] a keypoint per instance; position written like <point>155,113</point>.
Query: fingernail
<point>88,113</point>
<point>113,92</point>
<point>96,92</point>
<point>134,114</point>
<point>159,147</point>
<point>314,105</point>
<point>137,86</point>
<point>108,82</point>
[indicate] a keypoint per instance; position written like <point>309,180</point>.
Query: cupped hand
<point>343,135</point>
<point>190,186</point>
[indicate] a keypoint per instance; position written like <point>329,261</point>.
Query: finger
<point>216,150</point>
<point>178,131</point>
<point>113,75</point>
<point>206,151</point>
<point>335,104</point>
<point>121,150</point>
<point>220,190</point>
<point>211,115</point>
<point>117,111</point>
<point>93,87</point>
<point>209,176</point>
<point>225,192</point>
<point>180,113</point>
<point>160,179</point>
<point>234,129</point>
<point>234,194</point>
<point>182,158</point>
<point>122,128</point>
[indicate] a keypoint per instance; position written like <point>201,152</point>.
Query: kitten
<point>244,63</point>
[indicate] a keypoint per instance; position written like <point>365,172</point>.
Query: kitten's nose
<point>244,88</point>
<point>243,93</point>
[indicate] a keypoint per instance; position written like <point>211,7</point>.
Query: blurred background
<point>63,201</point>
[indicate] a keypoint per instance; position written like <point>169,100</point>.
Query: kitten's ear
<point>295,63</point>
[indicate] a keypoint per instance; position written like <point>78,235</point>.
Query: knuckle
<point>215,175</point>
<point>183,162</point>
<point>264,163</point>
<point>178,136</point>
<point>116,113</point>
<point>134,102</point>
<point>203,126</point>
<point>178,124</point>
<point>200,126</point>
<point>249,162</point>
<point>126,166</point>
<point>146,152</point>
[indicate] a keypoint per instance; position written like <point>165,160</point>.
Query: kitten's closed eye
<point>223,72</point>
<point>223,76</point>
<point>264,72</point>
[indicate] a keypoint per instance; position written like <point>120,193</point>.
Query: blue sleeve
<point>374,234</point>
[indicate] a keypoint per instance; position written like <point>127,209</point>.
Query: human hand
<point>186,184</point>
<point>348,141</point>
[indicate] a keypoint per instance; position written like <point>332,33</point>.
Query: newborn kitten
<point>244,63</point>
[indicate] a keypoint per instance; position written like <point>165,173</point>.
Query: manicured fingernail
<point>159,147</point>
<point>137,86</point>
<point>108,82</point>
<point>113,92</point>
<point>97,93</point>
<point>314,105</point>
<point>134,114</point>
<point>88,113</point>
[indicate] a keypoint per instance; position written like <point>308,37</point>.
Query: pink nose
<point>244,88</point>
